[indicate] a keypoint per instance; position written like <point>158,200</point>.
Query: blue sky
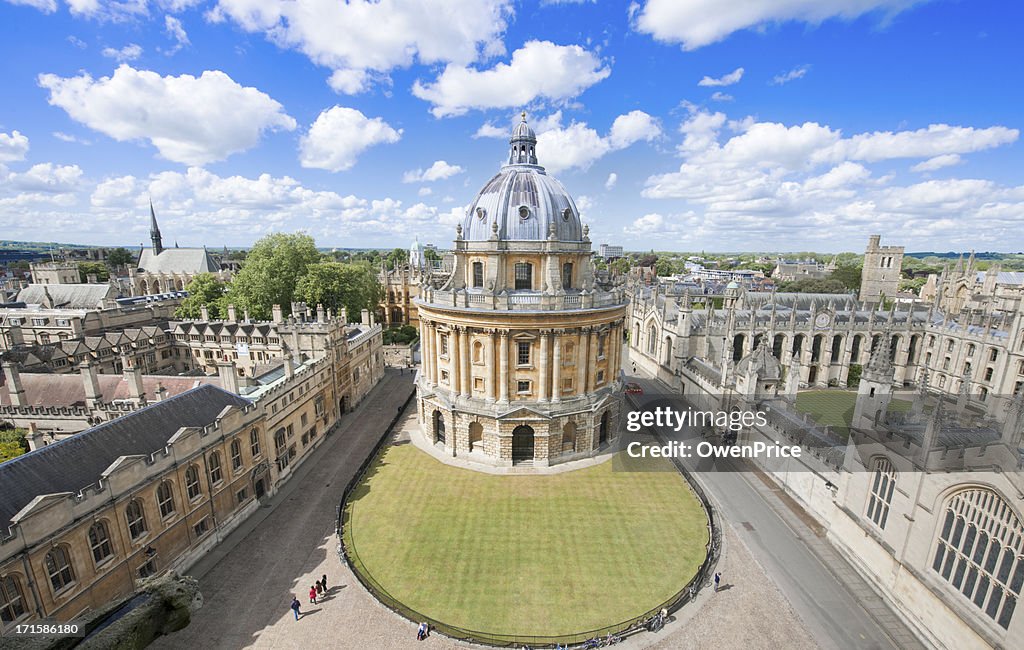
<point>676,124</point>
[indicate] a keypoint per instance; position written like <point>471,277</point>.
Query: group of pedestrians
<point>315,592</point>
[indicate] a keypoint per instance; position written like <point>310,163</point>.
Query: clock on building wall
<point>822,320</point>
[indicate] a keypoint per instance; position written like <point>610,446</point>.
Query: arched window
<point>99,541</point>
<point>192,487</point>
<point>12,600</point>
<point>58,568</point>
<point>567,275</point>
<point>883,482</point>
<point>668,352</point>
<point>478,274</point>
<point>236,455</point>
<point>136,517</point>
<point>980,551</point>
<point>165,499</point>
<point>216,475</point>
<point>737,347</point>
<point>524,275</point>
<point>254,443</point>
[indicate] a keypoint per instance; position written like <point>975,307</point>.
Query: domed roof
<point>522,199</point>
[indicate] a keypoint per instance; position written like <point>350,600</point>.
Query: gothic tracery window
<point>883,482</point>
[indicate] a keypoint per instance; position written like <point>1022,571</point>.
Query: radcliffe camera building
<point>521,345</point>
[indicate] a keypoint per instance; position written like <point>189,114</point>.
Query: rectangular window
<point>600,346</point>
<point>148,569</point>
<point>567,275</point>
<point>478,274</point>
<point>202,527</point>
<point>444,376</point>
<point>523,387</point>
<point>304,419</point>
<point>600,376</point>
<point>524,275</point>
<point>478,383</point>
<point>242,494</point>
<point>523,353</point>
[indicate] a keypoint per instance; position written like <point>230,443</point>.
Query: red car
<point>633,388</point>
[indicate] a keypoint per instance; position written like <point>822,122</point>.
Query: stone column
<point>454,360</point>
<point>592,361</point>
<point>581,362</point>
<point>489,364</point>
<point>556,371</point>
<point>503,368</point>
<point>542,384</point>
<point>464,368</point>
<point>424,353</point>
<point>433,352</point>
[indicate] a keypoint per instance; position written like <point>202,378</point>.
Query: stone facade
<point>880,275</point>
<point>520,345</point>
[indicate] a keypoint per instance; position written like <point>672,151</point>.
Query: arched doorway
<point>569,437</point>
<point>438,427</point>
<point>602,429</point>
<point>476,436</point>
<point>260,489</point>
<point>522,444</point>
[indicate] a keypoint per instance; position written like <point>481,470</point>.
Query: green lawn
<point>834,408</point>
<point>542,555</point>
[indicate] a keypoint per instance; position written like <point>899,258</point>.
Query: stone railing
<point>524,300</point>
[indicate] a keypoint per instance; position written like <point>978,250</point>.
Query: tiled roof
<point>68,296</point>
<point>77,462</point>
<point>177,260</point>
<point>43,389</point>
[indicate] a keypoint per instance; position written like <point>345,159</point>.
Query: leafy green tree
<point>431,254</point>
<point>204,289</point>
<point>400,335</point>
<point>397,257</point>
<point>272,269</point>
<point>812,285</point>
<point>12,443</point>
<point>85,269</point>
<point>620,266</point>
<point>120,257</point>
<point>848,275</point>
<point>334,285</point>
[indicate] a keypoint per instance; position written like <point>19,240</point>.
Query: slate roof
<point>177,260</point>
<point>47,389</point>
<point>77,462</point>
<point>68,296</point>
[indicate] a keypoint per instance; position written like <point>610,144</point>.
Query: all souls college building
<point>926,503</point>
<point>521,345</point>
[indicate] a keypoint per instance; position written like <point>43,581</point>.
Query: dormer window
<point>566,214</point>
<point>524,212</point>
<point>481,214</point>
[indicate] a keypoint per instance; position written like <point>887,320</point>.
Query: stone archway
<point>438,427</point>
<point>569,437</point>
<point>602,429</point>
<point>476,436</point>
<point>522,444</point>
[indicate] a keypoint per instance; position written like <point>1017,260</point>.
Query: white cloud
<point>191,120</point>
<point>538,70</point>
<point>67,137</point>
<point>488,130</point>
<point>440,170</point>
<point>339,135</point>
<point>539,125</point>
<point>719,96</point>
<point>175,30</point>
<point>938,162</point>
<point>129,52</point>
<point>361,35</point>
<point>424,191</point>
<point>613,178</point>
<point>724,80</point>
<point>696,23</point>
<point>45,178</point>
<point>786,77</point>
<point>113,10</point>
<point>762,184</point>
<point>348,82</point>
<point>13,146</point>
<point>578,145</point>
<point>46,6</point>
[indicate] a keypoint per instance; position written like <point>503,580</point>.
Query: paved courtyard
<point>248,581</point>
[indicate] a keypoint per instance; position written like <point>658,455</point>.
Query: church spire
<point>154,231</point>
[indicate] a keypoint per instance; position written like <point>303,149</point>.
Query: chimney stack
<point>289,367</point>
<point>133,375</point>
<point>160,392</point>
<point>204,313</point>
<point>364,317</point>
<point>320,315</point>
<point>92,383</point>
<point>232,314</point>
<point>14,387</point>
<point>16,336</point>
<point>228,376</point>
<point>278,315</point>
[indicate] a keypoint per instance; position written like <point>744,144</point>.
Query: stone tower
<point>880,277</point>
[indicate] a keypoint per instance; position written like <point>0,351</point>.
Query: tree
<point>204,289</point>
<point>397,257</point>
<point>848,275</point>
<point>334,285</point>
<point>99,269</point>
<point>272,269</point>
<point>813,285</point>
<point>120,257</point>
<point>431,254</point>
<point>12,443</point>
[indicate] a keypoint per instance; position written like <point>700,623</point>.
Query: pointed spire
<point>154,231</point>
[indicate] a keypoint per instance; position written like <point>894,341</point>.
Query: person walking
<point>718,580</point>
<point>319,588</point>
<point>295,607</point>
<point>312,595</point>
<point>323,581</point>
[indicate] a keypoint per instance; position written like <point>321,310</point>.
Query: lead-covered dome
<point>522,199</point>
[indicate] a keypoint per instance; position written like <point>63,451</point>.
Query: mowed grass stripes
<point>525,554</point>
